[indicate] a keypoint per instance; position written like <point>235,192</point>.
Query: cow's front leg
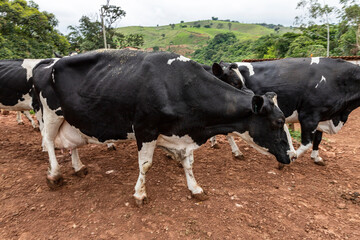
<point>49,132</point>
<point>145,158</point>
<point>315,152</point>
<point>196,191</point>
<point>234,148</point>
<point>79,168</point>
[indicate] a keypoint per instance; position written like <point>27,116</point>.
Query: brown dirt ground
<point>249,199</point>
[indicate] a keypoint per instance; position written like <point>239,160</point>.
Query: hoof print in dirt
<point>82,172</point>
<point>54,182</point>
<point>200,196</point>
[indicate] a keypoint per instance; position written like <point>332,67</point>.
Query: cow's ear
<point>217,70</point>
<point>257,103</point>
<point>233,66</point>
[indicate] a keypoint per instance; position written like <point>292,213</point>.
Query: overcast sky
<point>164,12</point>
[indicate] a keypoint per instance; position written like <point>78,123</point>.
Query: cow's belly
<point>69,137</point>
<point>20,105</point>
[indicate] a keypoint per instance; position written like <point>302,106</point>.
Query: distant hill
<point>185,38</point>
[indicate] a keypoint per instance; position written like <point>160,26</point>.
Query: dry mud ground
<point>249,199</point>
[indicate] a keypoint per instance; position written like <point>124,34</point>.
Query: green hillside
<point>186,37</point>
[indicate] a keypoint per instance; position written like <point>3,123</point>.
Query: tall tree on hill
<point>350,16</point>
<point>316,11</point>
<point>92,34</point>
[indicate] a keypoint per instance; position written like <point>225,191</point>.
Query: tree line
<point>26,32</point>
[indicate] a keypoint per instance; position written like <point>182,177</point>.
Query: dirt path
<point>249,199</point>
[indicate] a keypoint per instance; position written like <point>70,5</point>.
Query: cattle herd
<point>166,100</point>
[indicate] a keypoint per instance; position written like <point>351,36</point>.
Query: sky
<point>165,12</point>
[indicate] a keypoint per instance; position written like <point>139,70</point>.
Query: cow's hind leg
<point>145,157</point>
<point>28,116</point>
<point>79,168</point>
<point>18,118</point>
<point>234,148</point>
<point>315,152</point>
<point>196,191</point>
<point>213,142</point>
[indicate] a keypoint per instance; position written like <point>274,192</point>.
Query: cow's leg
<point>213,142</point>
<point>28,116</point>
<point>315,152</point>
<point>145,158</point>
<point>234,148</point>
<point>196,191</point>
<point>79,168</point>
<point>18,118</point>
<point>52,124</point>
<point>111,146</point>
<point>308,127</point>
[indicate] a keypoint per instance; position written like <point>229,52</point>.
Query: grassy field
<point>188,36</point>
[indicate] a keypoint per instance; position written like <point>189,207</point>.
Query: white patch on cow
<point>21,105</point>
<point>323,79</point>
<point>248,65</point>
<point>181,58</point>
<point>315,60</point>
<point>246,136</point>
<point>55,60</point>
<point>29,64</point>
<point>329,127</point>
<point>293,118</point>
<point>302,149</point>
<point>236,70</point>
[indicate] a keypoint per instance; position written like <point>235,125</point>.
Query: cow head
<point>266,131</point>
<point>228,73</point>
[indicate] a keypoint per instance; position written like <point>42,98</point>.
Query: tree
<point>109,14</point>
<point>350,16</point>
<point>25,32</point>
<point>316,10</point>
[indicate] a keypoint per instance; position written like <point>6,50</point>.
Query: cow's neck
<point>224,109</point>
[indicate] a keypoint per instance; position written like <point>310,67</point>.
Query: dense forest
<point>26,32</point>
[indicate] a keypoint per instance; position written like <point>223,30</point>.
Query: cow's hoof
<point>320,163</point>
<point>20,123</point>
<point>82,172</point>
<point>111,147</point>
<point>37,129</point>
<point>216,146</point>
<point>239,156</point>
<point>54,182</point>
<point>141,202</point>
<point>281,166</point>
<point>200,196</point>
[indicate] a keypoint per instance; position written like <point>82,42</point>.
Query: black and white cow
<point>16,86</point>
<point>158,99</point>
<point>320,93</point>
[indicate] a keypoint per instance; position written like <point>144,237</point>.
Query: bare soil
<point>248,199</point>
